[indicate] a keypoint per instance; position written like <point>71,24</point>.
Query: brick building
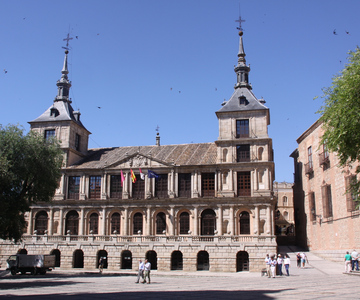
<point>326,219</point>
<point>206,206</point>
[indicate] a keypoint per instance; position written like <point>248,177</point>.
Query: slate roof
<point>180,155</point>
<point>234,104</point>
<point>65,112</point>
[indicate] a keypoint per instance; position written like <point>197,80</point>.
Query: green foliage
<point>341,114</point>
<point>30,169</point>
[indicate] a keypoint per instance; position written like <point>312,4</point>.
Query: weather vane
<point>67,39</point>
<point>157,128</point>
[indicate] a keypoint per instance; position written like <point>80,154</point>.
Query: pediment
<point>138,160</point>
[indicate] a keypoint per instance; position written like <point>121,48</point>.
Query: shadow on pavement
<point>243,295</point>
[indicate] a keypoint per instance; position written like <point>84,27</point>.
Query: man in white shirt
<point>140,271</point>
<point>354,261</point>
<point>147,268</point>
<point>268,263</point>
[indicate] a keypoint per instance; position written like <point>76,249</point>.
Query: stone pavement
<point>320,279</point>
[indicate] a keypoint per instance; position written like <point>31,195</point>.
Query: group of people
<point>274,264</point>
<point>144,271</point>
<point>351,261</point>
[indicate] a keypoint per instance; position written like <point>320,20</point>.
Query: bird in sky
<point>347,32</point>
<point>99,107</point>
<point>334,32</point>
<point>5,71</point>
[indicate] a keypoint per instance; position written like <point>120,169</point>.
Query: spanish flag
<point>133,177</point>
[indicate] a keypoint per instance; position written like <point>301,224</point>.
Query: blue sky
<point>171,64</point>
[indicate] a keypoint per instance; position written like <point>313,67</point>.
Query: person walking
<point>268,263</point>
<point>279,262</point>
<point>298,260</point>
<point>273,266</point>
<point>101,264</point>
<point>303,259</point>
<point>354,260</point>
<point>287,264</point>
<point>147,268</point>
<point>347,259</point>
<point>140,271</point>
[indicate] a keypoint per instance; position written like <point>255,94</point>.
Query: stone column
<point>172,222</point>
<point>220,221</point>
<point>81,221</point>
<point>30,228</point>
<point>256,223</point>
<point>61,221</point>
<point>232,232</point>
<point>268,220</point>
<point>51,221</point>
<point>196,230</point>
<point>126,222</point>
<point>103,229</point>
<point>104,191</point>
<point>148,221</point>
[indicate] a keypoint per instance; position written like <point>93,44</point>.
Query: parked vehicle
<point>34,264</point>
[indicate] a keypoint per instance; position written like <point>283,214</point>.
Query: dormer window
<point>243,101</point>
<point>54,112</point>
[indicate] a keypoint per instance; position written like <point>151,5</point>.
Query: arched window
<point>137,223</point>
<point>41,222</point>
<point>72,223</point>
<point>160,223</point>
<point>244,222</point>
<point>208,222</point>
<point>285,201</point>
<point>184,223</point>
<point>94,223</point>
<point>115,223</point>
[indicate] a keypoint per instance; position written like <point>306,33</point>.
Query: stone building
<point>326,219</point>
<point>284,214</point>
<point>188,207</point>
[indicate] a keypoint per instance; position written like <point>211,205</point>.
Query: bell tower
<point>61,121</point>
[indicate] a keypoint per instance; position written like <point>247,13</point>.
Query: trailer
<point>34,264</point>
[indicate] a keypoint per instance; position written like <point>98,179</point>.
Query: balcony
<point>309,169</point>
<point>136,239</point>
<point>324,158</point>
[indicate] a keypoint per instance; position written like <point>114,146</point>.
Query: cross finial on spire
<point>67,39</point>
<point>240,21</point>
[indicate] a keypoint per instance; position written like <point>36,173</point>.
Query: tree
<point>30,169</point>
<point>341,115</point>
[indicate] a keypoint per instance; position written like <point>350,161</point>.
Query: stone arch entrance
<point>176,260</point>
<point>242,261</point>
<point>57,254</point>
<point>126,260</point>
<point>203,261</point>
<point>151,256</point>
<point>104,255</point>
<point>78,261</point>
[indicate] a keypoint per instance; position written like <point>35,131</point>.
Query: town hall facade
<point>192,207</point>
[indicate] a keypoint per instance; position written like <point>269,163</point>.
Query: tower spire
<point>64,84</point>
<point>241,70</point>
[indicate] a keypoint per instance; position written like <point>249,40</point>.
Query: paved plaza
<point>320,279</point>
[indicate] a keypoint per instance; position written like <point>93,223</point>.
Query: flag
<point>133,177</point>
<point>142,175</point>
<point>122,178</point>
<point>152,174</point>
